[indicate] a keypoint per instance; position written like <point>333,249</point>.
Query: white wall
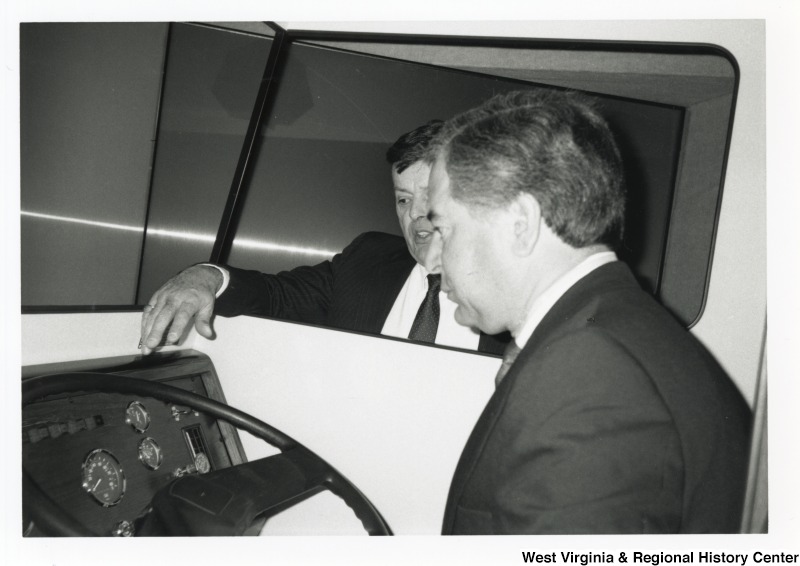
<point>50,338</point>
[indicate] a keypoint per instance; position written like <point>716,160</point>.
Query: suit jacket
<point>353,291</point>
<point>613,419</point>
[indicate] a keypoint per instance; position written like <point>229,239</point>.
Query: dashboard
<point>103,456</point>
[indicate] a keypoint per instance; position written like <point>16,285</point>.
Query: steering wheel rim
<point>52,516</point>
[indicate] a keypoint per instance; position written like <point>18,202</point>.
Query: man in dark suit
<point>378,284</point>
<point>608,416</point>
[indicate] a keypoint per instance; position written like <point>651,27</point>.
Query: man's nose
<point>419,208</point>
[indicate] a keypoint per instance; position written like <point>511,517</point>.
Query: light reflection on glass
<point>82,221</point>
<point>241,243</point>
<point>270,246</point>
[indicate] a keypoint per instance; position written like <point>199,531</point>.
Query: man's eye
<point>402,201</point>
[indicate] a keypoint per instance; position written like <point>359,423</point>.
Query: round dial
<point>103,478</point>
<point>202,463</point>
<point>137,416</point>
<point>150,453</point>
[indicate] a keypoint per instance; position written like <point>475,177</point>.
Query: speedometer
<point>103,478</point>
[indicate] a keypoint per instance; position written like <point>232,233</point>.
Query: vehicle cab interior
<point>147,147</point>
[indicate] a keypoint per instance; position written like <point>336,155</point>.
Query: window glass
<point>670,230</point>
<point>321,177</point>
<point>88,99</point>
<point>210,86</point>
<point>128,129</point>
<point>125,176</point>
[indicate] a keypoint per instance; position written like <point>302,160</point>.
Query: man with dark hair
<point>379,283</point>
<point>608,416</point>
<point>413,147</point>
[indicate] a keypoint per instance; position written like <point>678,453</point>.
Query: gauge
<point>150,453</point>
<point>103,478</point>
<point>137,416</point>
<point>201,463</point>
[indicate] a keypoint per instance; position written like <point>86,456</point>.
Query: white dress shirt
<point>544,302</point>
<point>405,308</point>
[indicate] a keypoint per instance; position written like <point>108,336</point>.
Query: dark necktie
<point>426,323</point>
<point>509,356</point>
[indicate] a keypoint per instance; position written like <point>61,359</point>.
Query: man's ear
<point>527,215</point>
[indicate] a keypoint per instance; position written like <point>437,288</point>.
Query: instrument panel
<point>102,456</point>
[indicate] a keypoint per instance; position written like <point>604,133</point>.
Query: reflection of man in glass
<point>378,284</point>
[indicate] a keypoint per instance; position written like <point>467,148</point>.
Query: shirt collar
<point>421,274</point>
<point>554,292</point>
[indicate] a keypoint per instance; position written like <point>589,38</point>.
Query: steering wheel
<point>223,502</point>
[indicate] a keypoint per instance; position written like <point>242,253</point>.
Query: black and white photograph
<point>348,286</point>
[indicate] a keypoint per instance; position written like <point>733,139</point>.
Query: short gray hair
<point>551,143</point>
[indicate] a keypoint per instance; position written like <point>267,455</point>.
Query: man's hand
<point>191,293</point>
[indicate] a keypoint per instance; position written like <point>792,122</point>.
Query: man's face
<point>411,204</point>
<point>469,246</point>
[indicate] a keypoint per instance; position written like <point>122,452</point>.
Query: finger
<point>149,311</point>
<point>178,324</point>
<point>202,322</point>
<point>148,315</point>
<point>159,321</point>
